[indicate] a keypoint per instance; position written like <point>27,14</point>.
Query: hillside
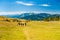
<point>34,30</point>
<point>35,16</point>
<point>10,31</point>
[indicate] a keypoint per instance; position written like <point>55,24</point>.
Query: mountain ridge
<point>33,16</point>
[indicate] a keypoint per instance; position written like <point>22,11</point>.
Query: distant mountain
<point>39,16</point>
<point>34,16</point>
<point>12,16</point>
<point>19,15</point>
<point>26,14</point>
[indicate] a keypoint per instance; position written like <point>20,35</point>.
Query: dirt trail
<point>26,33</point>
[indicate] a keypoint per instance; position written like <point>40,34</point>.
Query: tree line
<point>52,18</point>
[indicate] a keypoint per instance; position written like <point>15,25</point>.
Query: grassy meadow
<point>34,30</point>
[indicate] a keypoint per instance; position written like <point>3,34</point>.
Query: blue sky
<point>20,6</point>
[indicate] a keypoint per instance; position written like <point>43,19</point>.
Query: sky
<point>23,6</point>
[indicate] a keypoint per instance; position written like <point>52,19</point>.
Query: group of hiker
<point>20,22</point>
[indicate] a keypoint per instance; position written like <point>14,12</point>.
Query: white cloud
<point>23,3</point>
<point>45,5</point>
<point>13,13</point>
<point>10,13</point>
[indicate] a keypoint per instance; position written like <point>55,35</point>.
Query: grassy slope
<point>10,31</point>
<point>33,31</point>
<point>44,30</point>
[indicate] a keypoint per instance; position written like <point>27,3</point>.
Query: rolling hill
<point>34,30</point>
